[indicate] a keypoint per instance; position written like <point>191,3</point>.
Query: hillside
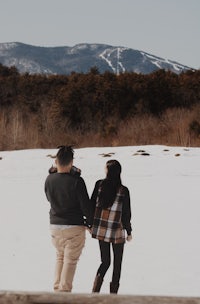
<point>81,58</point>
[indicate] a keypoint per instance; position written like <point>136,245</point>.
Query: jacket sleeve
<point>126,212</point>
<point>93,199</point>
<point>46,189</point>
<point>84,200</point>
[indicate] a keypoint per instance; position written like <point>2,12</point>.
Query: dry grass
<point>19,131</point>
<point>172,128</point>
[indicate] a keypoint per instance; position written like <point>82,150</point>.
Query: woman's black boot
<point>97,283</point>
<point>114,287</point>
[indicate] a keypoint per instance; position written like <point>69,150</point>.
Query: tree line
<point>94,108</point>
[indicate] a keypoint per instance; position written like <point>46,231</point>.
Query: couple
<point>107,215</point>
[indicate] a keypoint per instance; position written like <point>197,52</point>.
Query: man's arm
<point>83,198</point>
<point>46,189</point>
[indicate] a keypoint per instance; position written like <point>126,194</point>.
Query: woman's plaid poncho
<point>109,224</point>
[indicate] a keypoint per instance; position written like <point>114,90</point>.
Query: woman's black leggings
<point>118,250</point>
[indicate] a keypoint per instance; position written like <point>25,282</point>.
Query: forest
<point>94,109</point>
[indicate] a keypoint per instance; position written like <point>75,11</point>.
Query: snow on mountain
<point>118,64</point>
<point>159,62</point>
<point>7,46</point>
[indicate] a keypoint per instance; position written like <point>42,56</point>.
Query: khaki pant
<point>69,244</point>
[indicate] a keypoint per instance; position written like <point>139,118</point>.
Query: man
<point>69,212</point>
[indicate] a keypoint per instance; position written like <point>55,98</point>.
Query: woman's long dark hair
<point>110,185</point>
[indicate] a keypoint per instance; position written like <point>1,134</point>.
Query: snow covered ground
<point>162,259</point>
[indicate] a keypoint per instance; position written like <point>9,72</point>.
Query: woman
<point>111,218</point>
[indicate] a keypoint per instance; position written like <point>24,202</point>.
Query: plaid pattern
<point>107,225</point>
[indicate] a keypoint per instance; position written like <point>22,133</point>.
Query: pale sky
<point>166,28</point>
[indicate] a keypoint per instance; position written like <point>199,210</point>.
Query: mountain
<point>81,58</point>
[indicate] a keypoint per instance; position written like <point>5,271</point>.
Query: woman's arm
<point>94,197</point>
<point>126,212</point>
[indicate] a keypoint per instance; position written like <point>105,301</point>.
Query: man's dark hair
<point>65,155</point>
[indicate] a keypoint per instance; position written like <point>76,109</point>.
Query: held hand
<point>75,171</point>
<point>89,230</point>
<point>129,238</point>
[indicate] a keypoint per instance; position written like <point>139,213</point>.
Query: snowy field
<point>162,259</point>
